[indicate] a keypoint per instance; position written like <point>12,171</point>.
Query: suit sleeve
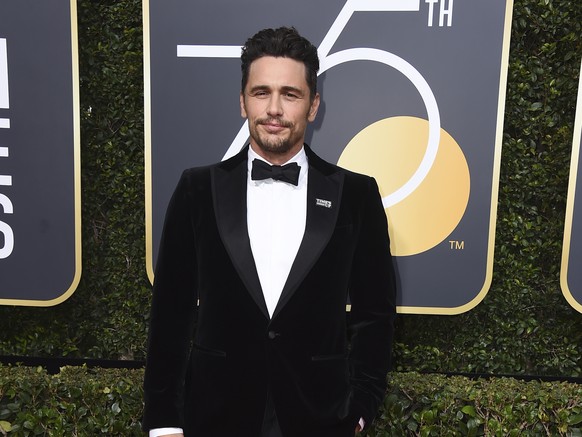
<point>373,308</point>
<point>172,316</point>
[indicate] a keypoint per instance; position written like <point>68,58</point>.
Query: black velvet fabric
<point>323,373</point>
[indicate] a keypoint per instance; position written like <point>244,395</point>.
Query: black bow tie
<point>287,173</point>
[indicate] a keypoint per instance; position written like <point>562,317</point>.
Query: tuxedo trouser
<point>270,423</point>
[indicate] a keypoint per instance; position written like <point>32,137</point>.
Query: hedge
<point>523,326</point>
<point>79,401</point>
<point>75,402</point>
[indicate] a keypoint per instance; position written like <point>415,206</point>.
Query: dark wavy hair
<point>284,42</point>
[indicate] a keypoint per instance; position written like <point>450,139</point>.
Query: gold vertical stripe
<point>574,168</point>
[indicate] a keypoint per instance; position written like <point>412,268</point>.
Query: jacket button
<point>272,335</point>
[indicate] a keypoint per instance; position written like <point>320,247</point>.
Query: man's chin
<point>274,148</point>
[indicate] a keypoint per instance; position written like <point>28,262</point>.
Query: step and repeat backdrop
<point>413,94</point>
<point>40,207</point>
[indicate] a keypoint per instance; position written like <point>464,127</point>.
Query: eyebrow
<point>293,89</point>
<point>284,89</point>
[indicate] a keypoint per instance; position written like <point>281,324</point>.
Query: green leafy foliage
<point>524,325</point>
<point>87,402</point>
<point>436,405</point>
<point>76,402</point>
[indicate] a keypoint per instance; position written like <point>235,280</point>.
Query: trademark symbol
<point>457,245</point>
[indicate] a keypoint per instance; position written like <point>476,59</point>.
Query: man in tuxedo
<point>260,254</point>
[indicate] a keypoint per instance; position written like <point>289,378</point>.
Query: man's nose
<point>275,108</point>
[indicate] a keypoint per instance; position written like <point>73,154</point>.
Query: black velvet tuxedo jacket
<point>323,369</point>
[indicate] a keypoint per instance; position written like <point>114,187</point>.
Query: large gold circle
<point>391,150</point>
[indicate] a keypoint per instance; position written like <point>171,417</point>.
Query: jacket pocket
<point>207,351</point>
<point>329,357</point>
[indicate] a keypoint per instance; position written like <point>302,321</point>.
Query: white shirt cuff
<point>362,423</point>
<point>158,432</point>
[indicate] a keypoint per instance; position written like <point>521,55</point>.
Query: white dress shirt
<point>276,216</point>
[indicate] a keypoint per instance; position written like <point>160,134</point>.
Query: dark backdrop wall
<point>524,325</point>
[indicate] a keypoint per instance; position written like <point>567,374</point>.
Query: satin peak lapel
<point>323,202</point>
<point>229,185</point>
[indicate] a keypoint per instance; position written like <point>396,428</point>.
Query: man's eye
<point>291,95</point>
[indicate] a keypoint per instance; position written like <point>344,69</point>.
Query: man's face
<point>277,103</point>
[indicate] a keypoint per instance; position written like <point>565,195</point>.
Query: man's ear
<point>313,108</point>
<point>243,111</point>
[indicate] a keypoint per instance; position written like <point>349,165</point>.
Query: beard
<point>272,144</point>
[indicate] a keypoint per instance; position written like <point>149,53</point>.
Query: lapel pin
<point>324,203</point>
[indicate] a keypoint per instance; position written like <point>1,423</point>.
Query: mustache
<point>271,120</point>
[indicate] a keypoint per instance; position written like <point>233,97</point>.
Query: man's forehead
<point>278,69</point>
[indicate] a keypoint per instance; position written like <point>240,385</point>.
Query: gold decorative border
<point>148,140</point>
<point>77,174</point>
<point>494,187</point>
<point>574,166</point>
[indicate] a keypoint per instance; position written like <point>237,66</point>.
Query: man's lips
<point>274,127</point>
